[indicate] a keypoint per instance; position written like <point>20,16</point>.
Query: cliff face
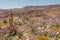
<point>48,12</point>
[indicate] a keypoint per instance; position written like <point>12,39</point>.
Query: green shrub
<point>32,30</point>
<point>5,21</point>
<point>13,32</point>
<point>20,35</point>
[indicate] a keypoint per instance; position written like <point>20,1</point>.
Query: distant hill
<point>48,11</point>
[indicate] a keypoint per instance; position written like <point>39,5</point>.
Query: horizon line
<point>28,6</point>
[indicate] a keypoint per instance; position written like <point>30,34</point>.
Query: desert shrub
<point>5,21</point>
<point>32,29</point>
<point>13,33</point>
<point>45,33</point>
<point>9,38</point>
<point>20,35</point>
<point>51,36</point>
<point>58,36</point>
<point>17,23</point>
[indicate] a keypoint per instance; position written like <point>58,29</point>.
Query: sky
<point>8,4</point>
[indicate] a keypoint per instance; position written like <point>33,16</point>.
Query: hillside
<point>30,23</point>
<point>48,12</point>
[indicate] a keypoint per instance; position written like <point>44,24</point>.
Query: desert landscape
<point>30,23</point>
